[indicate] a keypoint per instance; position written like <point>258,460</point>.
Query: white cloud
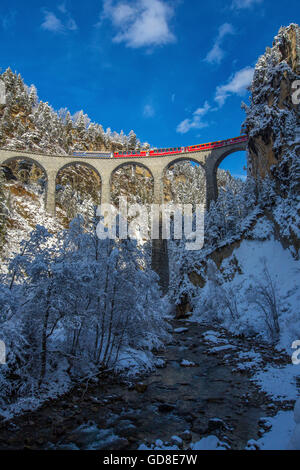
<point>52,23</point>
<point>56,25</point>
<point>244,4</point>
<point>195,122</point>
<point>141,23</point>
<point>237,85</point>
<point>148,111</point>
<point>216,54</point>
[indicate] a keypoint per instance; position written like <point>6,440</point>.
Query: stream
<point>198,391</point>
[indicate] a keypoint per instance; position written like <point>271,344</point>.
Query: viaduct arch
<point>212,166</point>
<point>135,169</point>
<point>105,167</point>
<point>93,181</point>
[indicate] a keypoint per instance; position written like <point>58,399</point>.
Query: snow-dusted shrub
<point>230,302</point>
<point>264,295</point>
<point>14,344</point>
<point>262,231</point>
<point>76,307</point>
<point>265,304</point>
<point>209,302</point>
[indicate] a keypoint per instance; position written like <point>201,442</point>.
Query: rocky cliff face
<point>273,121</point>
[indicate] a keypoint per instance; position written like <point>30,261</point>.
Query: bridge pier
<point>157,190</point>
<point>105,189</point>
<point>160,263</point>
<point>51,192</point>
<point>211,184</point>
<point>160,256</point>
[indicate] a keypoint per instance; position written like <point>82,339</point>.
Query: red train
<point>163,152</point>
<point>176,150</point>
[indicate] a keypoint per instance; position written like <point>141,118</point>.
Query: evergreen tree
<point>132,141</point>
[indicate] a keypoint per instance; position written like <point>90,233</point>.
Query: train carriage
<point>161,152</point>
<point>93,154</point>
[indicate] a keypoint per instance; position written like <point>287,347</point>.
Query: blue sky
<point>174,71</point>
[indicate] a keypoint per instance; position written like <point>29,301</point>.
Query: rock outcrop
<point>273,121</point>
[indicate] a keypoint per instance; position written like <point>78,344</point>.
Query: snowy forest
<point>75,309</point>
<point>27,123</point>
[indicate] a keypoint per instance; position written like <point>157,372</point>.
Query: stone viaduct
<point>105,167</point>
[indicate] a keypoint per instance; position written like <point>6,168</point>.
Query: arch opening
<point>228,167</point>
<point>27,172</point>
<point>184,182</point>
<point>23,192</point>
<point>133,181</point>
<point>236,164</point>
<point>78,192</point>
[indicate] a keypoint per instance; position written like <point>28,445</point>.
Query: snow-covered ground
<point>230,292</point>
<point>279,435</point>
<point>236,296</point>
<point>206,443</point>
